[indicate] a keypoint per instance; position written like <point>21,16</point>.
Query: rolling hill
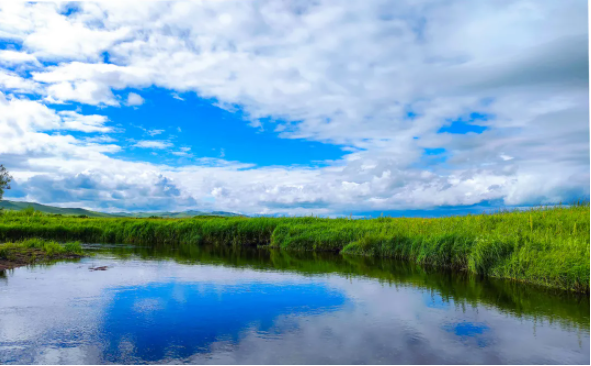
<point>20,205</point>
<point>173,215</point>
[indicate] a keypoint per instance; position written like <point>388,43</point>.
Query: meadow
<point>547,246</point>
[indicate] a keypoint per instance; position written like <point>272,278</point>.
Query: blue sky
<point>268,108</point>
<point>187,121</point>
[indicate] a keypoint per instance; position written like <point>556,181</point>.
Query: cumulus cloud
<point>381,78</point>
<point>12,82</point>
<point>14,57</point>
<point>74,121</point>
<point>51,34</point>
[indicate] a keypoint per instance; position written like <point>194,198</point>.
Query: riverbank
<point>546,246</point>
<point>30,251</point>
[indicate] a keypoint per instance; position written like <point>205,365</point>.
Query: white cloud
<point>176,96</point>
<point>52,35</point>
<point>182,153</point>
<point>10,81</point>
<point>34,138</point>
<point>90,83</point>
<point>74,121</point>
<point>153,144</point>
<point>83,92</point>
<point>134,99</point>
<point>321,71</point>
<point>154,132</point>
<point>14,57</point>
<point>100,138</point>
<point>18,116</point>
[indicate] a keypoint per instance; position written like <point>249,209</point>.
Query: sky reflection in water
<point>181,319</point>
<point>155,310</point>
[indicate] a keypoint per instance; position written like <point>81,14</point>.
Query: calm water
<point>196,305</point>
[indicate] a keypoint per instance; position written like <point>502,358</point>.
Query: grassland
<point>34,251</point>
<point>546,246</point>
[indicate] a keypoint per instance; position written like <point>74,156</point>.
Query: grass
<point>14,254</point>
<point>547,245</point>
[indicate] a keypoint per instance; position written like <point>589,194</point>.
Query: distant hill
<point>174,215</point>
<point>18,205</point>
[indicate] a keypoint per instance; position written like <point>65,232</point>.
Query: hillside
<point>18,205</point>
<point>173,215</point>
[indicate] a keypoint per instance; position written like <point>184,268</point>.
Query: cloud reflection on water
<point>158,311</point>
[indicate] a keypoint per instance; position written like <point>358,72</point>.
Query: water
<point>198,305</point>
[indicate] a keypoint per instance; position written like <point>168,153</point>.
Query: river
<point>261,306</point>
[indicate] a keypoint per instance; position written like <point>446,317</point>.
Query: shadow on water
<point>464,290</point>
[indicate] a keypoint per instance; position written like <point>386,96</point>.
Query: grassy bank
<point>34,251</point>
<point>547,246</point>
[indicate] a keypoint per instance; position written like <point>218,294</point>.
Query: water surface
<point>207,305</point>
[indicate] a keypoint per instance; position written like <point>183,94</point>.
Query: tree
<point>5,179</point>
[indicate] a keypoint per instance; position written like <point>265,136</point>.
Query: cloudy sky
<point>295,107</point>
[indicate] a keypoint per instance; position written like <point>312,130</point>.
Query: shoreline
<point>36,251</point>
<point>30,257</point>
<point>547,246</point>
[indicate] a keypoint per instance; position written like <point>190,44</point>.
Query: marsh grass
<point>47,246</point>
<point>14,254</point>
<point>546,245</point>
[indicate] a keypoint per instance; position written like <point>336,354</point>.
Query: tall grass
<point>547,246</point>
<point>47,248</point>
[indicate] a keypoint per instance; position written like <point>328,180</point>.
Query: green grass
<point>34,250</point>
<point>547,246</point>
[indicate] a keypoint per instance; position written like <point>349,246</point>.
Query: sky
<point>328,108</point>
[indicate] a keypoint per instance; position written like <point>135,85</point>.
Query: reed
<point>546,245</point>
